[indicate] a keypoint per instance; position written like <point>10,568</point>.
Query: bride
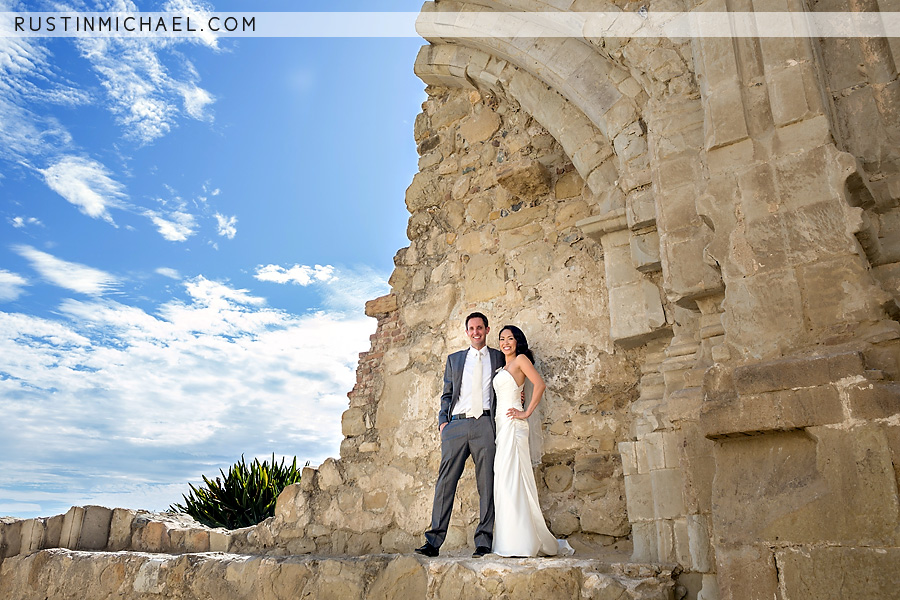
<point>519,527</point>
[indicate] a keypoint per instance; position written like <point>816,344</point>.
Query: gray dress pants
<point>459,439</point>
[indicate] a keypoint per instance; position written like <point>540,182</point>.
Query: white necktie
<point>477,407</point>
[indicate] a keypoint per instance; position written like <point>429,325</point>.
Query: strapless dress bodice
<point>509,393</point>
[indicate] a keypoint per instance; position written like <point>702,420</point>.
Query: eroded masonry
<point>701,239</point>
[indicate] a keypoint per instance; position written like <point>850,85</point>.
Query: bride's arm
<point>536,380</point>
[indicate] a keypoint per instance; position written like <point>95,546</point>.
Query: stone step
<point>62,574</point>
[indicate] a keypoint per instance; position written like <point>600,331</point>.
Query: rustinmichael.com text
<point>132,24</point>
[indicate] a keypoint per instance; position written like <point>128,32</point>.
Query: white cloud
<point>23,132</point>
<point>168,272</point>
<point>143,91</point>
<point>72,276</point>
<point>298,274</point>
<point>227,225</point>
<point>86,184</point>
<point>11,285</point>
<point>176,226</point>
<point>195,101</point>
<point>110,393</point>
<point>21,222</point>
<point>198,12</point>
<point>349,289</point>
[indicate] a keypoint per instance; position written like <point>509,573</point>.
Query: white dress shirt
<point>465,392</point>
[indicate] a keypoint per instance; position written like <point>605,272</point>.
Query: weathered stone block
<point>71,528</point>
<point>525,178</point>
<point>665,541</point>
<point>643,536</point>
<point>604,516</point>
<point>480,127</point>
<point>640,208</point>
<point>762,314</point>
<point>699,546</point>
<point>858,299</point>
<point>219,540</point>
<point>53,531</point>
<point>569,213</point>
<point>425,190</point>
<point>747,573</point>
<point>636,313</point>
<point>668,493</point>
<point>437,305</point>
<point>558,478</point>
<point>731,157</point>
<point>404,577</point>
<point>645,251</point>
<point>686,275</point>
<point>564,523</point>
<point>652,444</point>
<point>838,572</point>
<point>807,133</point>
<point>520,236</point>
<point>485,279</point>
<point>792,373</point>
<point>726,125</point>
<point>772,411</point>
<point>329,474</point>
<point>452,111</point>
<point>32,535</point>
<point>787,95</point>
<point>382,305</point>
<point>189,540</point>
<point>676,208</point>
<point>629,458</point>
<point>95,528</point>
<point>429,160</point>
<point>120,529</point>
<point>569,185</point>
<point>592,471</point>
<point>796,487</point>
<point>523,216</point>
<point>10,537</point>
<point>639,498</point>
<point>353,422</point>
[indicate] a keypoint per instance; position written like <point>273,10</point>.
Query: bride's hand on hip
<point>515,413</point>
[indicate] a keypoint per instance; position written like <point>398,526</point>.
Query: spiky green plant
<point>243,497</point>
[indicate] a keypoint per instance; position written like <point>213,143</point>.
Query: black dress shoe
<point>481,551</point>
<point>428,550</point>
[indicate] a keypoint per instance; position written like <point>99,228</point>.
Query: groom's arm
<point>446,396</point>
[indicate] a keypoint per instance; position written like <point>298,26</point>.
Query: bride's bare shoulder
<point>521,359</point>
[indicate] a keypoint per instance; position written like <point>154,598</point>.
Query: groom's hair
<point>476,315</point>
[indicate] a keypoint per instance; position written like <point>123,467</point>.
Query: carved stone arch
<point>461,66</point>
<point>598,87</point>
<point>624,224</point>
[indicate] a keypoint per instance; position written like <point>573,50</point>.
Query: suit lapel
<point>458,366</point>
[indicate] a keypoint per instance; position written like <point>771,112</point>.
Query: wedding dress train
<point>519,527</point>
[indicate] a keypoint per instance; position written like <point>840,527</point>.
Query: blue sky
<point>188,233</point>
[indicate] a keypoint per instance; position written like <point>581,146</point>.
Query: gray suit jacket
<point>453,373</point>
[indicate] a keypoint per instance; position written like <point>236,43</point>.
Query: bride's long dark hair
<point>521,342</point>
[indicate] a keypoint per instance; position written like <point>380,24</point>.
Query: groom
<point>467,426</point>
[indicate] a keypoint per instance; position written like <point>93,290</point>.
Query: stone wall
<point>66,575</point>
<point>492,227</point>
<point>700,239</point>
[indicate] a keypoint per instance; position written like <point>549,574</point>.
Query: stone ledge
<point>60,574</point>
<point>794,373</point>
<point>783,410</point>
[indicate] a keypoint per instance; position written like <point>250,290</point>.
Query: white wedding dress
<point>519,527</point>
